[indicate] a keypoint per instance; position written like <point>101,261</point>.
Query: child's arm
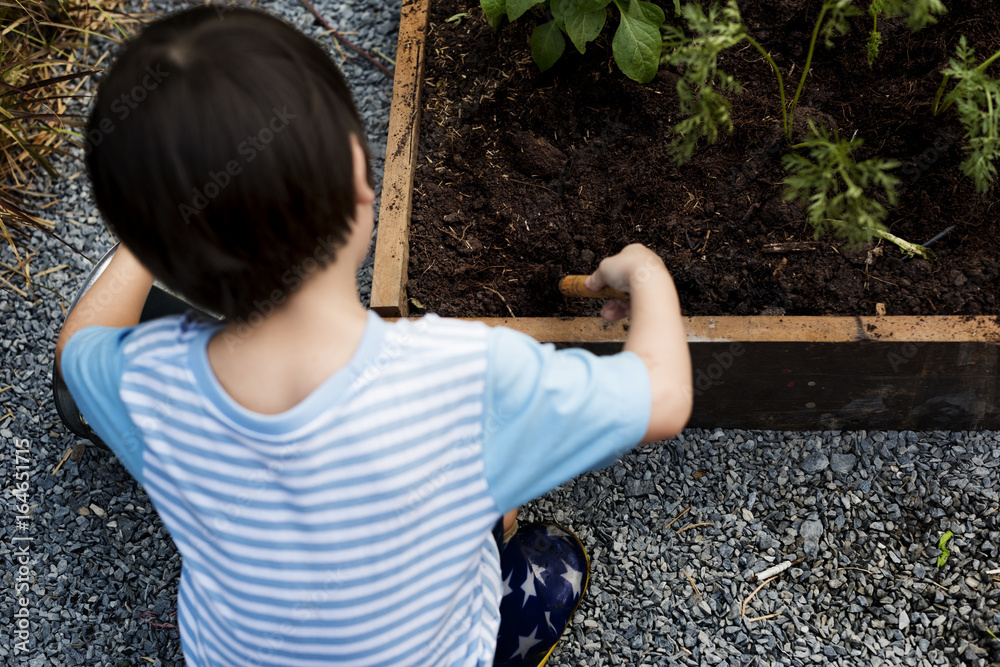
<point>114,300</point>
<point>656,332</point>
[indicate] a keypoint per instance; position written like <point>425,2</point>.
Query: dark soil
<point>524,176</point>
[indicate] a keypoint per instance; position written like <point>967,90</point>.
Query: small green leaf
<point>583,27</point>
<point>637,44</point>
<point>652,13</point>
<point>493,8</point>
<point>561,10</point>
<point>943,546</point>
<point>515,8</point>
<point>677,8</point>
<point>547,44</point>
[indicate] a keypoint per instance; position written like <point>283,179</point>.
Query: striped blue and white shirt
<point>354,528</point>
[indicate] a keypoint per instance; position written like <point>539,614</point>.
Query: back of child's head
<point>219,152</point>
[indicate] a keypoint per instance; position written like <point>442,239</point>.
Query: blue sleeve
<point>91,365</point>
<point>552,415</point>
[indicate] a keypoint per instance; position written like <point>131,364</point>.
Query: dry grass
<point>41,43</point>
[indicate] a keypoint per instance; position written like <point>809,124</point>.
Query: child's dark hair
<point>219,152</point>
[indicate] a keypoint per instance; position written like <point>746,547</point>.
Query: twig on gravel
<point>308,5</point>
<point>766,616</point>
<point>343,56</point>
<point>145,618</point>
<point>384,57</point>
<point>21,292</point>
<point>693,585</point>
<point>683,512</point>
<point>934,583</point>
<point>743,607</point>
<point>51,270</point>
<point>63,460</point>
<point>693,525</point>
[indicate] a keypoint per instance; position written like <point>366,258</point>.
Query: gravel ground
<point>864,510</point>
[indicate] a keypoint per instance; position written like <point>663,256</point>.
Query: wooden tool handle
<point>573,286</point>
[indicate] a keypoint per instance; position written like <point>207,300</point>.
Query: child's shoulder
<point>165,334</point>
<point>435,329</point>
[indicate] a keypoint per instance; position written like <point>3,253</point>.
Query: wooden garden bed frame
<point>799,373</point>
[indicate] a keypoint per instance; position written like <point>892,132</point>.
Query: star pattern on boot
<point>548,621</point>
<point>574,577</point>
<point>507,590</point>
<point>525,644</point>
<point>528,587</point>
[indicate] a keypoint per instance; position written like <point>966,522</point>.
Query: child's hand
<point>632,266</point>
<point>656,332</point>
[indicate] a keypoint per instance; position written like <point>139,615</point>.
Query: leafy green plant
<point>919,14</point>
<point>977,99</point>
<point>834,189</point>
<point>636,44</point>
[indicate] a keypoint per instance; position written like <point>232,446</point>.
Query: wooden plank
<point>857,385</point>
<point>899,329</point>
<point>392,245</point>
<point>819,373</point>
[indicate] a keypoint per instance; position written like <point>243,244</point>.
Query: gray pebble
<point>842,463</point>
<point>815,462</point>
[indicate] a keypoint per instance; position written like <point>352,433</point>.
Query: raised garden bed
<point>797,370</point>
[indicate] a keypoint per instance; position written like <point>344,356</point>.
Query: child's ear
<point>363,193</point>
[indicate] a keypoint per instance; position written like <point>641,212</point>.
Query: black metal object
<point>159,303</point>
<point>937,237</point>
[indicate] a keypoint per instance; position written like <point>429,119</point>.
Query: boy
<point>331,480</point>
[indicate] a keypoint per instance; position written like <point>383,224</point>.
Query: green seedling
<point>834,189</point>
<point>919,14</point>
<point>457,18</point>
<point>636,45</point>
<point>976,96</point>
<point>943,546</point>
<point>695,55</point>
